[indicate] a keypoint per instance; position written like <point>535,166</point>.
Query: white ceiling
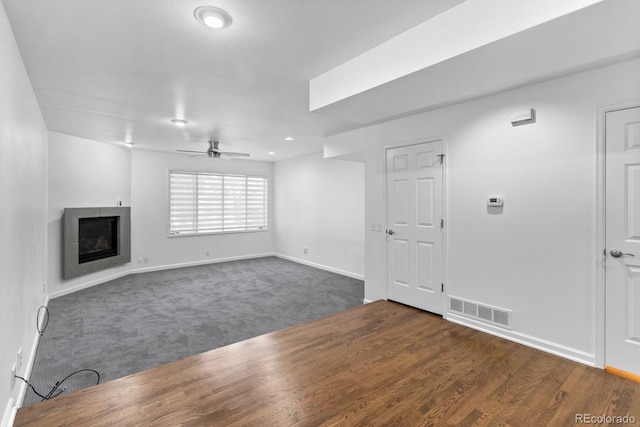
<point>120,70</point>
<point>492,46</point>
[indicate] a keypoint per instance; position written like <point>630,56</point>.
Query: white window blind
<point>201,202</point>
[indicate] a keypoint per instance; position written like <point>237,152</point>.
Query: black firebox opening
<point>97,238</point>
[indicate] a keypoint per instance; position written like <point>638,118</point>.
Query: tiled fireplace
<point>95,239</point>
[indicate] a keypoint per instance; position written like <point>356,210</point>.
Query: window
<point>201,202</point>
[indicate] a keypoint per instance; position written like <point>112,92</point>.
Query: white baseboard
<point>27,372</point>
<point>9,414</point>
<point>13,405</point>
<point>321,267</point>
<point>524,339</point>
<point>86,285</point>
<point>366,301</point>
<point>32,355</point>
<point>201,262</point>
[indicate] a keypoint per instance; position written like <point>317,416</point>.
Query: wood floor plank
<point>379,364</point>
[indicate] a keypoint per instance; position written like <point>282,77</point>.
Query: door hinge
<point>441,157</point>
<point>441,287</point>
<point>441,223</point>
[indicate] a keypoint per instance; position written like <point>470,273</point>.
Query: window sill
<point>213,233</point>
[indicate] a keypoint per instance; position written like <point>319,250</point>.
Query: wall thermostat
<point>494,201</point>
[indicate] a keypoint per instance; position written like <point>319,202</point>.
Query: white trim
<point>86,285</point>
<point>202,262</point>
<point>600,316</point>
<point>9,414</point>
<point>213,233</point>
<point>321,266</point>
<point>445,217</point>
<point>384,262</point>
<point>29,365</point>
<point>366,301</point>
<point>599,299</point>
<point>12,406</point>
<point>524,339</point>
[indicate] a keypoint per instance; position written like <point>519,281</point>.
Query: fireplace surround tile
<point>70,223</point>
<point>71,265</point>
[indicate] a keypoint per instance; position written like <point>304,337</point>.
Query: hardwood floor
<point>379,364</point>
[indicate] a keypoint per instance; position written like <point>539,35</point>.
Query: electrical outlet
<point>19,359</point>
<point>13,376</point>
<point>139,260</point>
<point>144,260</point>
<point>305,250</point>
<point>206,253</point>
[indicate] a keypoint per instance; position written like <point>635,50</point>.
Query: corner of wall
<point>73,184</point>
<point>23,162</point>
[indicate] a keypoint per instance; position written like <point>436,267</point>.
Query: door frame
<point>600,226</point>
<point>445,210</point>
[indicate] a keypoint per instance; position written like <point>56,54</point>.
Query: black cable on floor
<point>46,322</point>
<point>52,393</point>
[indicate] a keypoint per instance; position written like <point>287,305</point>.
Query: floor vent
<point>482,312</point>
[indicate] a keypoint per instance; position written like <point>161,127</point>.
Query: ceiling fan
<point>214,152</point>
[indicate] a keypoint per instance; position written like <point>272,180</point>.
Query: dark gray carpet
<point>144,320</point>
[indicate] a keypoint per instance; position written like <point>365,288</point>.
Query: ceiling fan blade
<point>230,154</point>
<point>214,152</point>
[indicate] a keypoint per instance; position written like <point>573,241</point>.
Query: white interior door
<point>414,228</point>
<point>623,240</point>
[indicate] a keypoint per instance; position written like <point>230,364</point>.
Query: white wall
<point>320,205</point>
<point>23,191</point>
<point>83,173</point>
<point>150,214</point>
<point>539,257</point>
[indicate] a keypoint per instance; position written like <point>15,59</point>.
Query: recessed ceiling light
<point>213,17</point>
<point>288,138</point>
<point>271,153</point>
<point>179,122</point>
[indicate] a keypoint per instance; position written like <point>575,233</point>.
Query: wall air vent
<point>456,305</point>
<point>470,309</point>
<point>481,312</point>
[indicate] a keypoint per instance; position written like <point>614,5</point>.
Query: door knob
<point>617,253</point>
<point>390,232</point>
